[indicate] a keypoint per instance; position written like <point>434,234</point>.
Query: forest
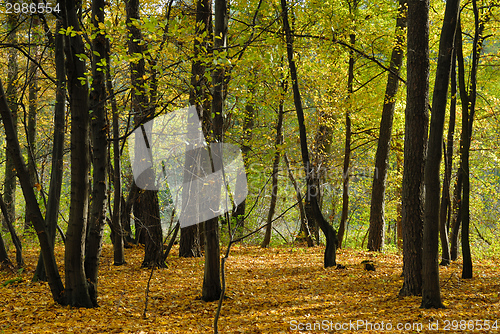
<point>249,166</point>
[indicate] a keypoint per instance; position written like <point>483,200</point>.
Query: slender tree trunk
<point>467,120</point>
<point>312,189</point>
<point>377,208</point>
<point>347,147</point>
<point>211,279</point>
<point>431,292</point>
<point>99,135</point>
<point>190,243</point>
<point>146,207</point>
<point>15,239</point>
<point>274,188</point>
<point>77,290</point>
<point>9,188</point>
<point>57,151</point>
<point>35,215</point>
<point>304,232</point>
<point>416,124</point>
<point>248,125</point>
<point>445,209</point>
<point>32,107</point>
<point>118,230</point>
<point>457,217</point>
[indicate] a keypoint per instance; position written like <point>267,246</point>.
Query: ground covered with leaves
<point>277,290</point>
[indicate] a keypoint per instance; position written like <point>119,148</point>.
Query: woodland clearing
<point>276,290</point>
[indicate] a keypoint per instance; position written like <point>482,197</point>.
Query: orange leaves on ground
<point>277,290</point>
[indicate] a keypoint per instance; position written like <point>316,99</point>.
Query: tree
<point>377,207</point>
<point>56,176</point>
<point>145,204</point>
<point>33,210</point>
<point>76,292</point>
<point>99,136</point>
<point>416,124</point>
<point>274,184</point>
<point>9,187</point>
<point>211,279</point>
<point>312,189</point>
<point>431,293</point>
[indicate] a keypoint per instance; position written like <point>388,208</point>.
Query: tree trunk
<point>274,188</point>
<point>9,187</point>
<point>190,243</point>
<point>467,122</point>
<point>211,279</point>
<point>15,239</point>
<point>57,150</point>
<point>146,208</point>
<point>99,135</point>
<point>32,107</point>
<point>35,215</point>
<point>431,292</point>
<point>118,231</point>
<point>248,125</point>
<point>457,217</point>
<point>445,209</point>
<point>304,232</point>
<point>347,147</point>
<point>416,124</point>
<point>377,208</point>
<point>77,289</point>
<point>312,190</point>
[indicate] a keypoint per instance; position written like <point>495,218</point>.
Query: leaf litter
<point>276,290</point>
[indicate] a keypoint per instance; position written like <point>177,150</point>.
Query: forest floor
<point>276,290</point>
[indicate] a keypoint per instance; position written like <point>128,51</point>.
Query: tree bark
<point>347,148</point>
<point>211,279</point>
<point>15,239</point>
<point>431,292</point>
<point>118,231</point>
<point>9,187</point>
<point>76,292</point>
<point>274,188</point>
<point>312,190</point>
<point>99,136</point>
<point>56,175</point>
<point>377,207</point>
<point>35,215</point>
<point>146,207</point>
<point>416,124</point>
<point>445,209</point>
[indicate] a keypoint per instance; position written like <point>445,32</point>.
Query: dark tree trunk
<point>146,208</point>
<point>457,217</point>
<point>190,243</point>
<point>431,292</point>
<point>347,147</point>
<point>304,232</point>
<point>274,188</point>
<point>248,125</point>
<point>57,150</point>
<point>312,190</point>
<point>117,232</point>
<point>9,187</point>
<point>35,215</point>
<point>445,209</point>
<point>4,258</point>
<point>416,124</point>
<point>377,208</point>
<point>467,126</point>
<point>76,292</point>
<point>211,279</point>
<point>32,107</point>
<point>15,239</point>
<point>99,135</point>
